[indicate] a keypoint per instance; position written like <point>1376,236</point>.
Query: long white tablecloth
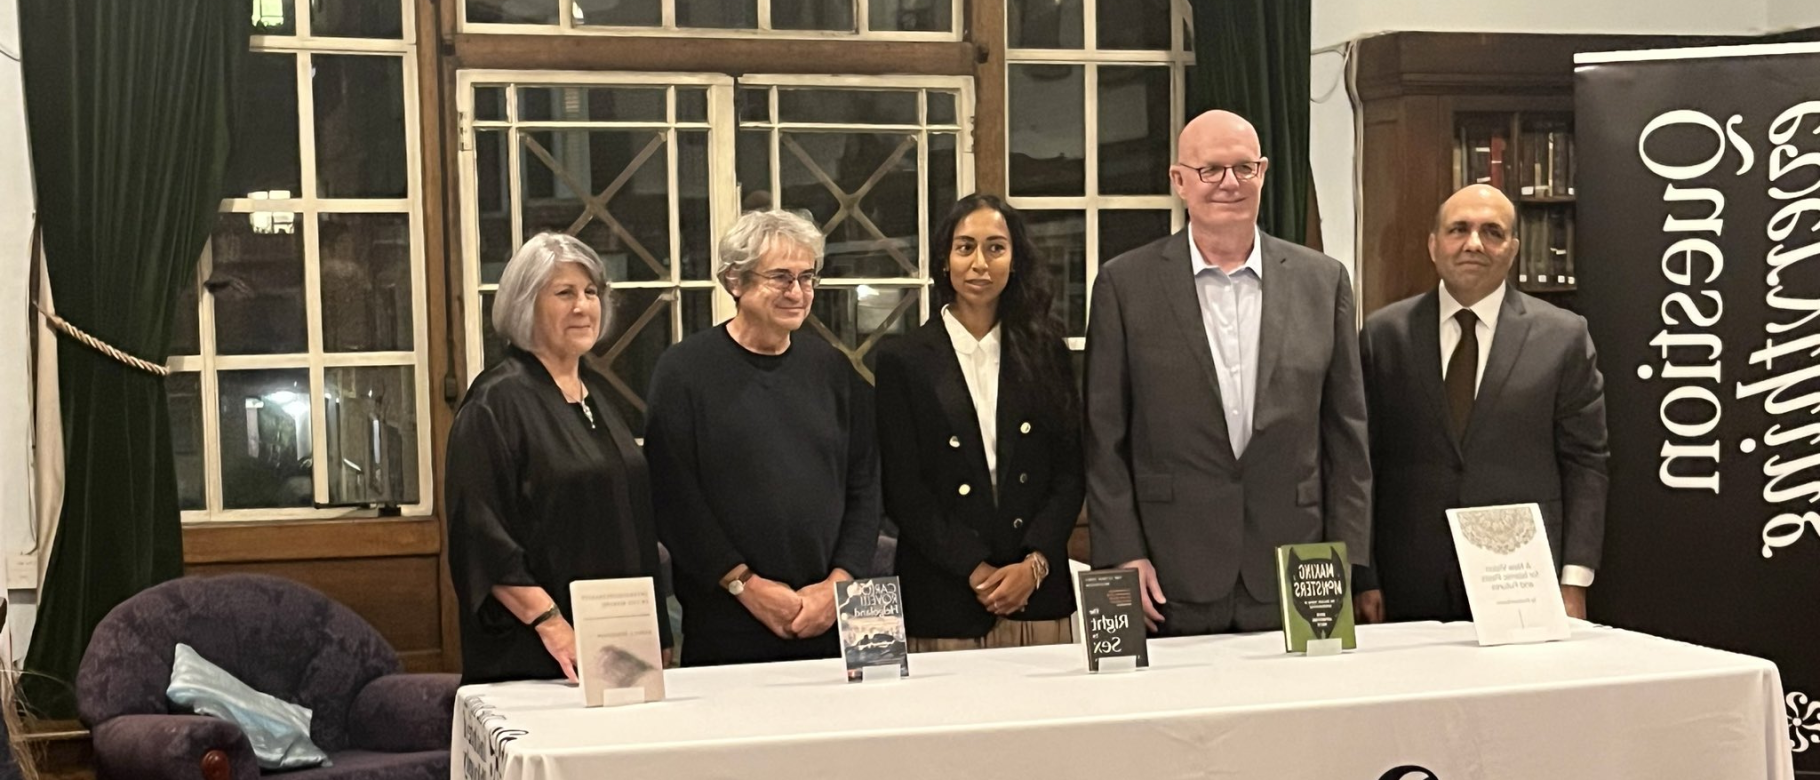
<point>1605,704</point>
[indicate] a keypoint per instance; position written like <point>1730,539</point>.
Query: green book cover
<point>1314,585</point>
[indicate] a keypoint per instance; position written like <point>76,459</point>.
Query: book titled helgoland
<point>618,652</point>
<point>1112,620</point>
<point>870,614</point>
<point>1315,590</point>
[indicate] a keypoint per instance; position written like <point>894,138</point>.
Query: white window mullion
<point>723,210</point>
<point>312,292</point>
<point>862,16</point>
<point>306,127</point>
<point>671,154</point>
<point>210,388</point>
<point>764,15</point>
<point>669,15</point>
<point>924,212</point>
<point>302,20</point>
<point>1090,16</point>
<point>1091,134</point>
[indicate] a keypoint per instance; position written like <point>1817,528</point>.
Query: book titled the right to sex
<point>1112,617</point>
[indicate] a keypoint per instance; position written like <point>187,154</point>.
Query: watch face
<point>736,587</point>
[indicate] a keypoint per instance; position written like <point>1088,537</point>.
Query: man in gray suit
<point>1479,395</point>
<point>1225,414</point>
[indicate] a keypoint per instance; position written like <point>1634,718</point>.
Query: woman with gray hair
<point>763,466</point>
<point>546,484</point>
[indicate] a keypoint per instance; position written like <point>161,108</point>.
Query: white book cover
<point>618,652</point>
<point>1509,574</point>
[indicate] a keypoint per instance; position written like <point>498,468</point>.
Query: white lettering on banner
<point>1692,261</point>
<point>1789,390</point>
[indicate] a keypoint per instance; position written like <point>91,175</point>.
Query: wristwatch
<point>737,585</point>
<point>1039,566</point>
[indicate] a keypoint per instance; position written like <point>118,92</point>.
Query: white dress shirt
<point>979,360</point>
<point>1487,310</point>
<point>1232,307</point>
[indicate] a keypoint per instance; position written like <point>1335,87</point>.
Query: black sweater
<point>766,460</point>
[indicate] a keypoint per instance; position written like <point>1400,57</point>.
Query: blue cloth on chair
<point>278,730</point>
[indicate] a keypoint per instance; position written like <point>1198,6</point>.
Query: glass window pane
<point>697,310</point>
<point>265,438</point>
<point>1061,237</point>
<point>1048,129</point>
<point>514,11</point>
<point>911,15</point>
<point>357,19</point>
<point>564,169</point>
<point>640,331</point>
<point>812,15</point>
<point>264,154</point>
<point>619,13</point>
<point>941,108</point>
<point>843,106</point>
<point>1134,130</point>
<point>490,104</point>
<point>755,104</point>
<point>493,346</point>
<point>724,14</point>
<point>691,105</point>
<point>186,338</point>
<point>274,17</point>
<point>185,394</point>
<point>492,204</point>
<point>752,162</point>
<point>371,416</point>
<point>1122,231</point>
<point>854,314</point>
<point>366,282</point>
<point>878,236</point>
<point>1042,24</point>
<point>591,104</point>
<point>692,204</point>
<point>1134,24</point>
<point>360,126</point>
<point>257,283</point>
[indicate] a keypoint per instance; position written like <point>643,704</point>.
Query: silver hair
<point>515,304</point>
<point>758,232</point>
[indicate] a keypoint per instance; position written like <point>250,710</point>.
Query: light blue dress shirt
<point>1232,306</point>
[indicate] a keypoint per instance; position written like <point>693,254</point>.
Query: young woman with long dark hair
<point>979,437</point>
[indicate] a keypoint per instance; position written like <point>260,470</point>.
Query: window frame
<point>1090,59</point>
<point>668,27</point>
<point>308,210</point>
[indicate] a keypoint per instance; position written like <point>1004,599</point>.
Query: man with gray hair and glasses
<point>764,470</point>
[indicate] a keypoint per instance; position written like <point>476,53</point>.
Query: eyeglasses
<point>780,281</point>
<point>1214,174</point>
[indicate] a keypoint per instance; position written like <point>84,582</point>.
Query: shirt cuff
<point>1576,576</point>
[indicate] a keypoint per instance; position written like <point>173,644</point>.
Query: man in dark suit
<point>1225,414</point>
<point>1479,395</point>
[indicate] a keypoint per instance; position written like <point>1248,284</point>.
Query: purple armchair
<point>281,638</point>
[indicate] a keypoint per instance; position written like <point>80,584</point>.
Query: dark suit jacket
<point>1536,434</point>
<point>929,442</point>
<point>1162,482</point>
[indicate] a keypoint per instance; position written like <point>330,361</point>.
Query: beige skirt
<point>1005,633</point>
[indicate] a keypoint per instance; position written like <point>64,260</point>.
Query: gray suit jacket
<point>1536,434</point>
<point>1162,482</point>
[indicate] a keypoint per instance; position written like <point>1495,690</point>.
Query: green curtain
<point>1251,58</point>
<point>127,106</point>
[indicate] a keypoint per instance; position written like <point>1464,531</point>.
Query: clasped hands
<point>792,614</point>
<point>1003,590</point>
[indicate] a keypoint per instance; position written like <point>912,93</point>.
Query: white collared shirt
<point>1487,310</point>
<point>979,360</point>
<point>1232,307</point>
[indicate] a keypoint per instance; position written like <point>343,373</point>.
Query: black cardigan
<point>930,445</point>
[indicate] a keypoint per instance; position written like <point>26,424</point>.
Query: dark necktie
<point>1463,372</point>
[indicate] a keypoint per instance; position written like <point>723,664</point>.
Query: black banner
<point>1699,271</point>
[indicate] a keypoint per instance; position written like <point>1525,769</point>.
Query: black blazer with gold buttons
<point>939,491</point>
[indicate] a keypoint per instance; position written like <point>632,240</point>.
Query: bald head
<point>1477,195</point>
<point>1222,207</point>
<point>1473,243</point>
<point>1217,128</point>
